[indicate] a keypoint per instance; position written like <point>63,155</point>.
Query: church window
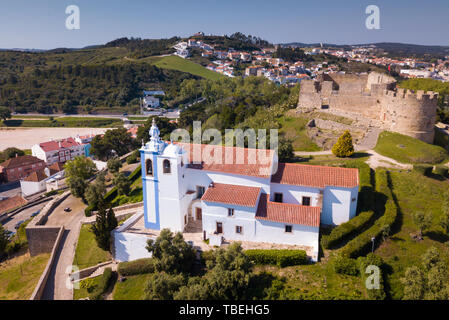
<point>149,167</point>
<point>166,166</point>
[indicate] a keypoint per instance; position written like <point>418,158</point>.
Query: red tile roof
<point>56,167</point>
<point>248,165</point>
<point>20,161</point>
<point>36,176</point>
<point>54,145</point>
<point>11,203</point>
<point>232,194</point>
<point>287,212</point>
<point>315,176</point>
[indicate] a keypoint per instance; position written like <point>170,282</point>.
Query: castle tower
<point>162,175</point>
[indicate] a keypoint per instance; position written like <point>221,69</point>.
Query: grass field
<point>69,122</point>
<point>409,150</point>
<point>87,252</point>
<point>19,276</point>
<point>133,288</point>
<point>414,192</point>
<point>184,65</point>
<point>294,128</point>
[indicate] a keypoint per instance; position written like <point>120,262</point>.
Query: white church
<point>263,201</point>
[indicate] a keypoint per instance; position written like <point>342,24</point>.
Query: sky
<point>41,24</point>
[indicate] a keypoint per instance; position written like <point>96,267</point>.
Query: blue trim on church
<point>149,225</point>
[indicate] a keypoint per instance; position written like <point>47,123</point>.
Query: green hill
<point>406,149</point>
<point>184,65</point>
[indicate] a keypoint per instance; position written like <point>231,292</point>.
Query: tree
<point>228,277</point>
<point>122,183</point>
<point>171,253</point>
<point>9,153</point>
<point>162,286</point>
<point>430,280</point>
<point>422,221</point>
<point>77,171</point>
<point>96,191</point>
<point>105,222</point>
<point>4,240</point>
<point>118,140</point>
<point>114,165</point>
<point>414,284</point>
<point>285,151</point>
<point>343,147</point>
<point>165,127</point>
<point>5,113</point>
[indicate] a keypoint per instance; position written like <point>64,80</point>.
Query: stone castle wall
<point>373,96</point>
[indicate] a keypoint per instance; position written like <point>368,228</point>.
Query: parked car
<point>18,224</point>
<point>67,209</point>
<point>35,213</point>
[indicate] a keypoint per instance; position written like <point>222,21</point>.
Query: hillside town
<point>238,167</point>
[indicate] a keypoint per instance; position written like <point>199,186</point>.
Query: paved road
<point>22,215</point>
<point>56,288</point>
<point>10,189</point>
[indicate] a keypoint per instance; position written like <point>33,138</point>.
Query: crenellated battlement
<point>374,96</point>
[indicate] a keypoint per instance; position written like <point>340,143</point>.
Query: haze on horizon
<point>29,25</point>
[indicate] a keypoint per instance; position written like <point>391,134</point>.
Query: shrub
<point>346,230</point>
<point>362,244</point>
<point>441,170</point>
<point>103,285</point>
<point>139,266</point>
<point>423,169</point>
<point>51,193</point>
<point>364,262</point>
<point>135,174</point>
<point>133,157</point>
<point>343,147</point>
<point>281,258</point>
<point>88,211</point>
<point>345,265</point>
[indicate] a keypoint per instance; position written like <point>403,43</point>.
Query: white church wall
<point>294,194</point>
<point>274,232</point>
<point>339,205</point>
<point>217,212</point>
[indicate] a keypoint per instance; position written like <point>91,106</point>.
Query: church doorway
<point>198,214</point>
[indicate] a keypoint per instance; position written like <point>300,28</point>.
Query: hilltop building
<point>375,98</point>
<point>255,201</point>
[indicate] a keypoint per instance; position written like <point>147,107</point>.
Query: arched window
<point>149,167</point>
<point>166,166</point>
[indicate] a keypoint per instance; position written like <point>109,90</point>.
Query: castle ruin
<point>375,97</point>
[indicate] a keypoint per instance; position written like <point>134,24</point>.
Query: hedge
<point>362,243</point>
<point>346,230</point>
<point>364,262</point>
<point>423,169</point>
<point>103,285</point>
<point>281,258</point>
<point>344,265</point>
<point>139,266</point>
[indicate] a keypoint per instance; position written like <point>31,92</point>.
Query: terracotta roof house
<point>239,194</point>
<point>11,203</point>
<point>19,167</point>
<point>58,150</point>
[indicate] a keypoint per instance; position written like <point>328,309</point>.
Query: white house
<point>57,151</point>
<point>46,179</point>
<point>247,200</point>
